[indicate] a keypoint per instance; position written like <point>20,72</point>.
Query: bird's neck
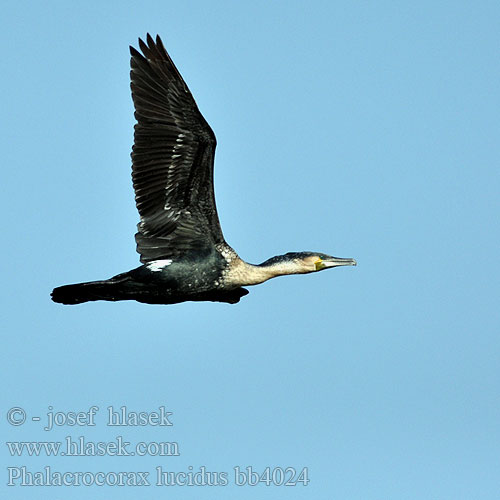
<point>245,274</point>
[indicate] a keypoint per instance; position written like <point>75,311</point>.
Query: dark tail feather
<point>86,292</point>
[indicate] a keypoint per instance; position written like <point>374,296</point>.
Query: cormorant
<point>179,238</point>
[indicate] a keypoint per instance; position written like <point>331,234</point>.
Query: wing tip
<point>149,47</point>
<point>134,52</point>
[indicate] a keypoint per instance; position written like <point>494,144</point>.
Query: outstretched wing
<point>172,160</point>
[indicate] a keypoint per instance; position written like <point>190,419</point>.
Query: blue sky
<point>358,129</point>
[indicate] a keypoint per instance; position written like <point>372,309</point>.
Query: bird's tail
<point>85,292</point>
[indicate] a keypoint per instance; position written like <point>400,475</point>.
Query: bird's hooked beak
<point>325,263</point>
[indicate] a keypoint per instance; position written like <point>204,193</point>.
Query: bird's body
<point>184,254</point>
<point>162,281</point>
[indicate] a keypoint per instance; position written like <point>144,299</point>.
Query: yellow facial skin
<point>313,263</point>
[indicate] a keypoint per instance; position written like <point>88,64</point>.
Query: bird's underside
<point>114,290</point>
<point>179,238</point>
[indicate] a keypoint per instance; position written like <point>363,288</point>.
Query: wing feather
<point>172,160</point>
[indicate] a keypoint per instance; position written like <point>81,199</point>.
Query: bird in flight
<point>183,253</point>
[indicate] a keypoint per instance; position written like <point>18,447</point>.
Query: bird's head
<point>312,261</point>
<point>305,262</point>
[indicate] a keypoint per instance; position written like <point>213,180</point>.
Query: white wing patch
<point>158,265</point>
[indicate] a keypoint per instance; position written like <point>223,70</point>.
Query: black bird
<point>179,238</point>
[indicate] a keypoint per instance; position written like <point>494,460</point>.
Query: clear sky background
<point>358,129</point>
